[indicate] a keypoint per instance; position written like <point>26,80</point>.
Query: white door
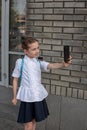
<point>0,42</point>
<point>12,29</point>
<point>4,20</point>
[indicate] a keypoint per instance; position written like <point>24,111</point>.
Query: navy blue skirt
<point>32,110</point>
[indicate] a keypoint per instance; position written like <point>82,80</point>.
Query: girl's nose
<point>37,50</point>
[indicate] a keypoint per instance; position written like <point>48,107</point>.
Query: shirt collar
<point>28,58</point>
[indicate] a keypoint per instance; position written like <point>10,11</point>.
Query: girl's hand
<point>69,62</point>
<point>14,101</point>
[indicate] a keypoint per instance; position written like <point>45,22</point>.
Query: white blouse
<point>31,89</point>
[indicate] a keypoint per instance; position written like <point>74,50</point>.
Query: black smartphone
<point>40,58</point>
<point>66,53</point>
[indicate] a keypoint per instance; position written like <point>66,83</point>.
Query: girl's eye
<point>33,49</point>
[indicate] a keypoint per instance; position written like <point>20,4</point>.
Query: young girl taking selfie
<point>31,93</point>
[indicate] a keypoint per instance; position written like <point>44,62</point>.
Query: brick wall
<point>56,23</point>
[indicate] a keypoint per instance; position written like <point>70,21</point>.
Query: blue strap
<point>21,69</point>
<point>22,64</point>
<point>39,62</point>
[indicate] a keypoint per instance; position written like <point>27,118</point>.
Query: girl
<point>31,93</point>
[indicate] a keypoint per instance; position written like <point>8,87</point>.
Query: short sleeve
<point>44,65</point>
<point>16,71</point>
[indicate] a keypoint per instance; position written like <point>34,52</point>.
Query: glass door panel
<point>17,30</point>
<point>17,24</point>
<point>0,35</point>
<point>12,61</point>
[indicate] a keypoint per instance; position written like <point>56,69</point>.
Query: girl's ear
<point>25,51</point>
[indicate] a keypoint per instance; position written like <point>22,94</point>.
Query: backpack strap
<point>21,69</point>
<point>39,62</point>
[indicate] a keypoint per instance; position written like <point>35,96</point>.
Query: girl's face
<point>33,50</point>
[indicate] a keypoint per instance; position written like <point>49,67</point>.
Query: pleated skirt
<point>32,110</point>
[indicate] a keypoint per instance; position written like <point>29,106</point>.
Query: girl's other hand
<point>14,101</point>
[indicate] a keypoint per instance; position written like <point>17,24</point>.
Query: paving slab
<point>6,124</point>
<point>73,114</point>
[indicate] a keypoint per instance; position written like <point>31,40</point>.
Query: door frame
<point>5,43</point>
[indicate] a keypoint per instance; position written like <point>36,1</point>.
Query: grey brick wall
<point>56,23</point>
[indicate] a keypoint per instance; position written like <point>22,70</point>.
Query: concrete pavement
<point>65,113</point>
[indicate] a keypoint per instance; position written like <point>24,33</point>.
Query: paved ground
<point>65,113</point>
<point>7,111</point>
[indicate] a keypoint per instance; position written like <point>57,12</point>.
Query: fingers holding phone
<point>67,56</point>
